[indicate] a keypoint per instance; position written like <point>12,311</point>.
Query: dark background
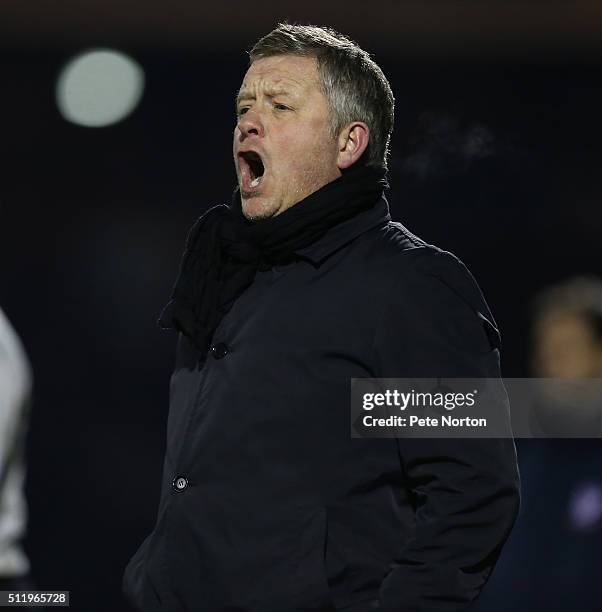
<point>496,156</point>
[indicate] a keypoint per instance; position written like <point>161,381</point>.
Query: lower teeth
<point>255,182</point>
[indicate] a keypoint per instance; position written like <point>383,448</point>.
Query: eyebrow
<point>271,92</point>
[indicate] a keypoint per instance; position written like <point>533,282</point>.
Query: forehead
<point>281,72</point>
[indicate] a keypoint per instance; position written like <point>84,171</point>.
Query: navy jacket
<point>268,504</point>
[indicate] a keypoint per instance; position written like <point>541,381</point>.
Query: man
<point>567,344</point>
<point>551,561</point>
<point>267,503</point>
<point>567,330</point>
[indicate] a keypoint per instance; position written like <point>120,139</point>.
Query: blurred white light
<point>99,87</point>
<point>585,506</point>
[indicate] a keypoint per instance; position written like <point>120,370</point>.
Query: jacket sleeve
<point>465,491</point>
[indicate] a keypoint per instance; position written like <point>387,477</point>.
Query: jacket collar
<point>345,232</point>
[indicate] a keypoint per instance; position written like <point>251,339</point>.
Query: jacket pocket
<point>357,554</point>
<point>299,583</point>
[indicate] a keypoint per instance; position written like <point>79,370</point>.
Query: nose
<point>249,124</point>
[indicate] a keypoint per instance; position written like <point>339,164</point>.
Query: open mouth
<point>252,169</point>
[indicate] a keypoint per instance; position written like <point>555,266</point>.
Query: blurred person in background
<point>552,559</point>
<point>15,398</point>
<point>567,330</point>
<point>267,503</point>
<point>567,347</point>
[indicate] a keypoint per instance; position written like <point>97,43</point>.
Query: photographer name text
<point>416,421</point>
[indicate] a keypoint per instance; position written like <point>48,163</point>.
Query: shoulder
<point>398,250</point>
<point>432,283</point>
<point>407,258</point>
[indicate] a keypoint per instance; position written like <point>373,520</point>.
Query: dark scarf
<point>224,250</point>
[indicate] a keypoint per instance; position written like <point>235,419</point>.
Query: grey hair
<point>354,85</point>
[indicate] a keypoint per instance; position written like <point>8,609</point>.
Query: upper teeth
<point>255,182</point>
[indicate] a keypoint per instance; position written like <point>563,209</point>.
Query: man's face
<point>283,150</point>
<point>565,347</point>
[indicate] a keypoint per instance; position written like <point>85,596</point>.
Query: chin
<point>257,208</point>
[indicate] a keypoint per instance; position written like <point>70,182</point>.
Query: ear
<point>353,141</point>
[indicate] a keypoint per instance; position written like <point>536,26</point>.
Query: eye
<point>242,111</point>
<point>278,106</point>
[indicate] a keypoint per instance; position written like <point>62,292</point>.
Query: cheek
<point>303,154</point>
<point>306,139</point>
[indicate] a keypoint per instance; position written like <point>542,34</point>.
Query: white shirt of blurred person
<point>15,395</point>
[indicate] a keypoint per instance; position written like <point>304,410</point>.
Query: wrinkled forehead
<point>295,75</point>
